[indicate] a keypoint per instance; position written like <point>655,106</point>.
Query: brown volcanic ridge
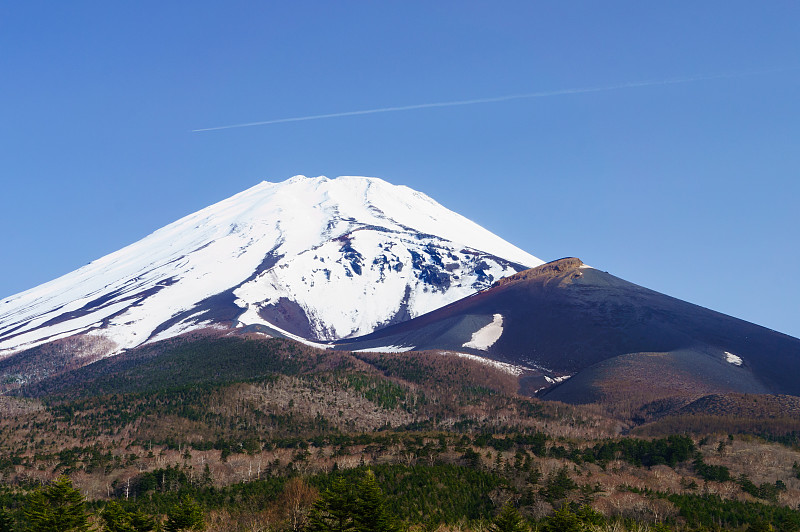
<point>618,342</point>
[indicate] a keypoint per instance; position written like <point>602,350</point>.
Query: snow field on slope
<point>189,250</point>
<point>450,225</point>
<point>505,367</point>
<point>485,337</point>
<point>386,349</point>
<point>341,302</point>
<point>219,247</point>
<point>251,317</point>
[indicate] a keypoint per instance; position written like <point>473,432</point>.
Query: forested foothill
<point>249,433</point>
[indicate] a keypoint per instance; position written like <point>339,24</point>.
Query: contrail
<point>542,94</point>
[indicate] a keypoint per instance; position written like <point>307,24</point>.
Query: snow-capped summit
<point>318,258</point>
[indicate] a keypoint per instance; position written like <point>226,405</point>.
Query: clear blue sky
<point>690,188</point>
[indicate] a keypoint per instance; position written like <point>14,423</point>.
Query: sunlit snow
<point>511,369</point>
<point>341,249</point>
<point>251,317</point>
<point>386,349</point>
<point>485,337</point>
<point>183,327</point>
<point>733,359</point>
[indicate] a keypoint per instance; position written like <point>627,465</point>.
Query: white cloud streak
<point>525,96</point>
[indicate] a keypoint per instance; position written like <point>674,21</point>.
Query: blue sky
<point>688,188</point>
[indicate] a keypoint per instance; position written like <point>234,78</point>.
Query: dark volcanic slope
<point>569,318</point>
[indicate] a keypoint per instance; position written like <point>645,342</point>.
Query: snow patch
<point>185,327</point>
<point>733,359</point>
<point>511,369</point>
<point>251,317</point>
<point>485,337</point>
<point>386,349</point>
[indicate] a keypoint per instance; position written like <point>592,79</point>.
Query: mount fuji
<point>315,259</point>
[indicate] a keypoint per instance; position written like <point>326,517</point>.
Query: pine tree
<point>187,515</point>
<point>141,522</point>
<point>558,485</point>
<point>563,521</point>
<point>509,520</point>
<point>370,513</point>
<point>760,526</point>
<point>57,508</point>
<point>6,522</point>
<point>116,519</point>
<point>333,512</point>
<point>207,479</point>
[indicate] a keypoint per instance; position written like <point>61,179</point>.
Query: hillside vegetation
<point>251,433</point>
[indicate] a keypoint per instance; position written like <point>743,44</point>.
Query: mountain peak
<point>301,179</point>
<point>309,257</point>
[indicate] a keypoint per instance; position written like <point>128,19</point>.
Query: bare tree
<point>297,498</point>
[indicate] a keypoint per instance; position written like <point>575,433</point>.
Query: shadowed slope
<point>568,318</point>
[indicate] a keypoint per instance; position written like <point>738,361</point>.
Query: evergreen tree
<point>141,522</point>
<point>116,519</point>
<point>589,516</point>
<point>333,512</point>
<point>57,508</point>
<point>563,521</point>
<point>509,520</point>
<point>760,526</point>
<point>370,513</point>
<point>207,479</point>
<point>187,515</point>
<point>558,485</point>
<point>6,522</point>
